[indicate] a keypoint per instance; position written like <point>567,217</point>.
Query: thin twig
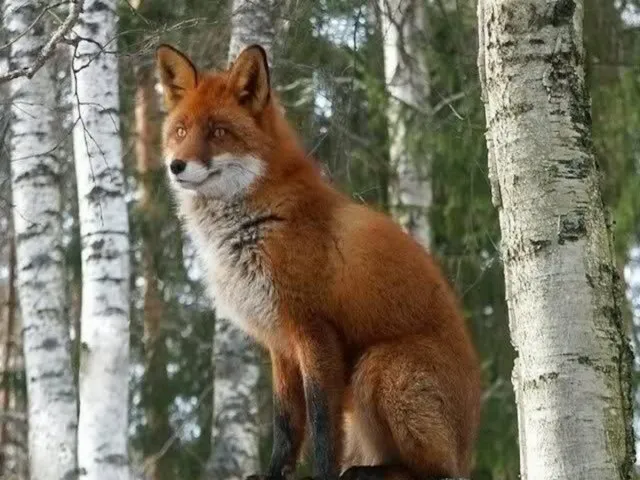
<point>49,48</point>
<point>26,30</point>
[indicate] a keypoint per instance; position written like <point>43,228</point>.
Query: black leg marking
<point>322,445</point>
<point>282,455</point>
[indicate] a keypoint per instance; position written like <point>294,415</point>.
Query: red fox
<point>370,354</point>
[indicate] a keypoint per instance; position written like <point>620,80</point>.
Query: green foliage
<point>465,225</point>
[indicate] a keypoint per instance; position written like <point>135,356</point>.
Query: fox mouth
<point>192,184</point>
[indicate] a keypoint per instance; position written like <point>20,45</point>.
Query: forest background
<point>328,59</point>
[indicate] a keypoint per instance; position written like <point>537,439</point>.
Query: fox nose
<point>177,166</point>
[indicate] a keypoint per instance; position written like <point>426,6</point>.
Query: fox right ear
<point>249,76</point>
<point>177,74</point>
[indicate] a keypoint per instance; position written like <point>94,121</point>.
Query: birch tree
<point>37,223</point>
<point>408,85</point>
<point>572,374</point>
<point>235,427</point>
<point>632,278</point>
<point>7,255</point>
<point>104,230</point>
<point>252,22</point>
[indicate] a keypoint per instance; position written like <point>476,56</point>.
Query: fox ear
<point>249,77</point>
<point>177,74</point>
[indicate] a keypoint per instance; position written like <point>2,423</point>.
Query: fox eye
<point>181,132</point>
<point>219,132</point>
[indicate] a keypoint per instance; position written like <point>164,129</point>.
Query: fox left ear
<point>249,76</point>
<point>177,74</point>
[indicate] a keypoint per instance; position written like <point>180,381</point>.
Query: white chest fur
<point>228,239</point>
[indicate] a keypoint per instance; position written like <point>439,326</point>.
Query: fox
<point>372,363</point>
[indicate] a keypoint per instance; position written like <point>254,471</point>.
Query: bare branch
<point>49,48</point>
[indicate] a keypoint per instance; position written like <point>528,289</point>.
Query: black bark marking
<point>40,170</point>
<point>115,311</point>
<point>97,244</point>
<point>584,360</point>
<point>40,261</point>
<point>32,231</point>
<point>109,279</point>
<point>98,193</point>
<point>69,394</point>
<point>522,108</point>
<point>114,459</point>
<point>539,244</point>
<point>43,312</point>
<point>572,227</point>
<point>74,474</point>
<point>98,7</point>
<point>106,254</point>
<point>108,111</point>
<point>86,236</point>
<point>49,375</point>
<point>563,12</point>
<point>590,281</point>
<point>577,168</point>
<point>50,344</point>
<point>545,377</point>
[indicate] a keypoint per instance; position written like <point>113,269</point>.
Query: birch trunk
<point>7,253</point>
<point>408,85</point>
<point>104,231</point>
<point>572,374</point>
<point>252,22</point>
<point>156,400</point>
<point>632,277</point>
<point>235,434</point>
<point>37,220</point>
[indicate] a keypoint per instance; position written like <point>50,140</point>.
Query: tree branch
<point>49,48</point>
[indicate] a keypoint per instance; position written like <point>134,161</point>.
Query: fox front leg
<point>288,419</point>
<point>323,369</point>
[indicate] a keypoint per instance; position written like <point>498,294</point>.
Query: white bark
<point>104,230</point>
<point>572,375</point>
<point>408,84</point>
<point>236,431</point>
<point>37,215</point>
<point>235,436</point>
<point>632,277</point>
<point>252,22</point>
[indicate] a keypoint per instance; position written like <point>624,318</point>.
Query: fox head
<point>216,135</point>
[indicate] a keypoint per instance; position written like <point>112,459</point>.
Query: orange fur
<point>360,308</point>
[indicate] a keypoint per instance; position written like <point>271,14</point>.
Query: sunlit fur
<point>341,297</point>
